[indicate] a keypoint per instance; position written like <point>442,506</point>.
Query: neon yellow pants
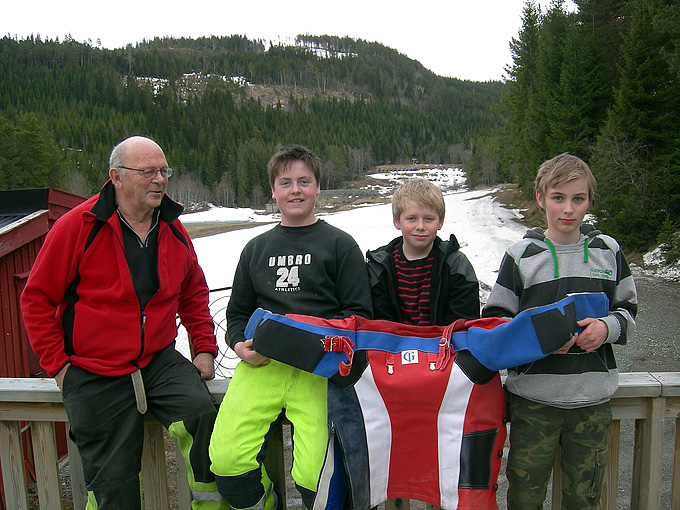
<point>254,400</point>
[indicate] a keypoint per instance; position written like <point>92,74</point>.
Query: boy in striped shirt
<point>563,400</point>
<point>418,278</point>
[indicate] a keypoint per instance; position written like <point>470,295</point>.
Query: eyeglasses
<point>149,173</point>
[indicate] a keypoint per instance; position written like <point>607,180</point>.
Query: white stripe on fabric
<point>378,438</point>
<point>450,424</point>
<point>327,472</point>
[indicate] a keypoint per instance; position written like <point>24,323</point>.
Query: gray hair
<point>117,157</point>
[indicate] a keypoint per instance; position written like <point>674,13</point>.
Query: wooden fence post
<point>46,468</point>
<point>154,476</point>
<point>12,459</point>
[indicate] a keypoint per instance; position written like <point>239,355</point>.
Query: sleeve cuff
<point>613,328</point>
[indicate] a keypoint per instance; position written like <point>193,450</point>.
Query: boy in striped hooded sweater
<point>563,400</point>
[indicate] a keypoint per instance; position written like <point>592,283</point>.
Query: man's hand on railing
<point>205,362</point>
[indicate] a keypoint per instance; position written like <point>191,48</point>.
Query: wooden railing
<point>647,398</point>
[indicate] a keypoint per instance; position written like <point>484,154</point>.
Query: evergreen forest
<point>600,81</point>
<point>220,106</point>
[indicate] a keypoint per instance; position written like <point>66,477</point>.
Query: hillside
<point>219,106</point>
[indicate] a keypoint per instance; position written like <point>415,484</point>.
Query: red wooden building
<point>25,218</point>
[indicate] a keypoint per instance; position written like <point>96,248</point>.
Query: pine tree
<point>28,155</point>
<point>520,101</point>
<point>636,150</point>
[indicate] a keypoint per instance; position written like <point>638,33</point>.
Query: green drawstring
<point>554,256</point>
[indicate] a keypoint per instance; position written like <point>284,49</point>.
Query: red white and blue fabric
<point>432,435</point>
<point>431,398</point>
<point>322,346</point>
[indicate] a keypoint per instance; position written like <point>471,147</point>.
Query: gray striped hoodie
<point>536,272</point>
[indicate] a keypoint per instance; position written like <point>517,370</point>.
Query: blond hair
<point>561,169</point>
<point>420,192</point>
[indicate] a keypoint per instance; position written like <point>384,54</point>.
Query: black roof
<point>17,203</point>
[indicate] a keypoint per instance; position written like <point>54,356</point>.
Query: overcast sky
<point>466,39</point>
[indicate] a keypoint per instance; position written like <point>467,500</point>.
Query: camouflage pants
<point>536,431</point>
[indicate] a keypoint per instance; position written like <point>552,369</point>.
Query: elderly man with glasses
<point>100,306</point>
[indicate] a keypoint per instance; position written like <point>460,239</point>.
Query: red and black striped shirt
<point>414,280</point>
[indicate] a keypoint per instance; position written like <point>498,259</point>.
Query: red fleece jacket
<point>80,306</point>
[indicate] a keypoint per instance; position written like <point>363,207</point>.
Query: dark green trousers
<point>536,431</point>
<point>109,430</point>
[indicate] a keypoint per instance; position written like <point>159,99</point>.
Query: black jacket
<point>455,289</point>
